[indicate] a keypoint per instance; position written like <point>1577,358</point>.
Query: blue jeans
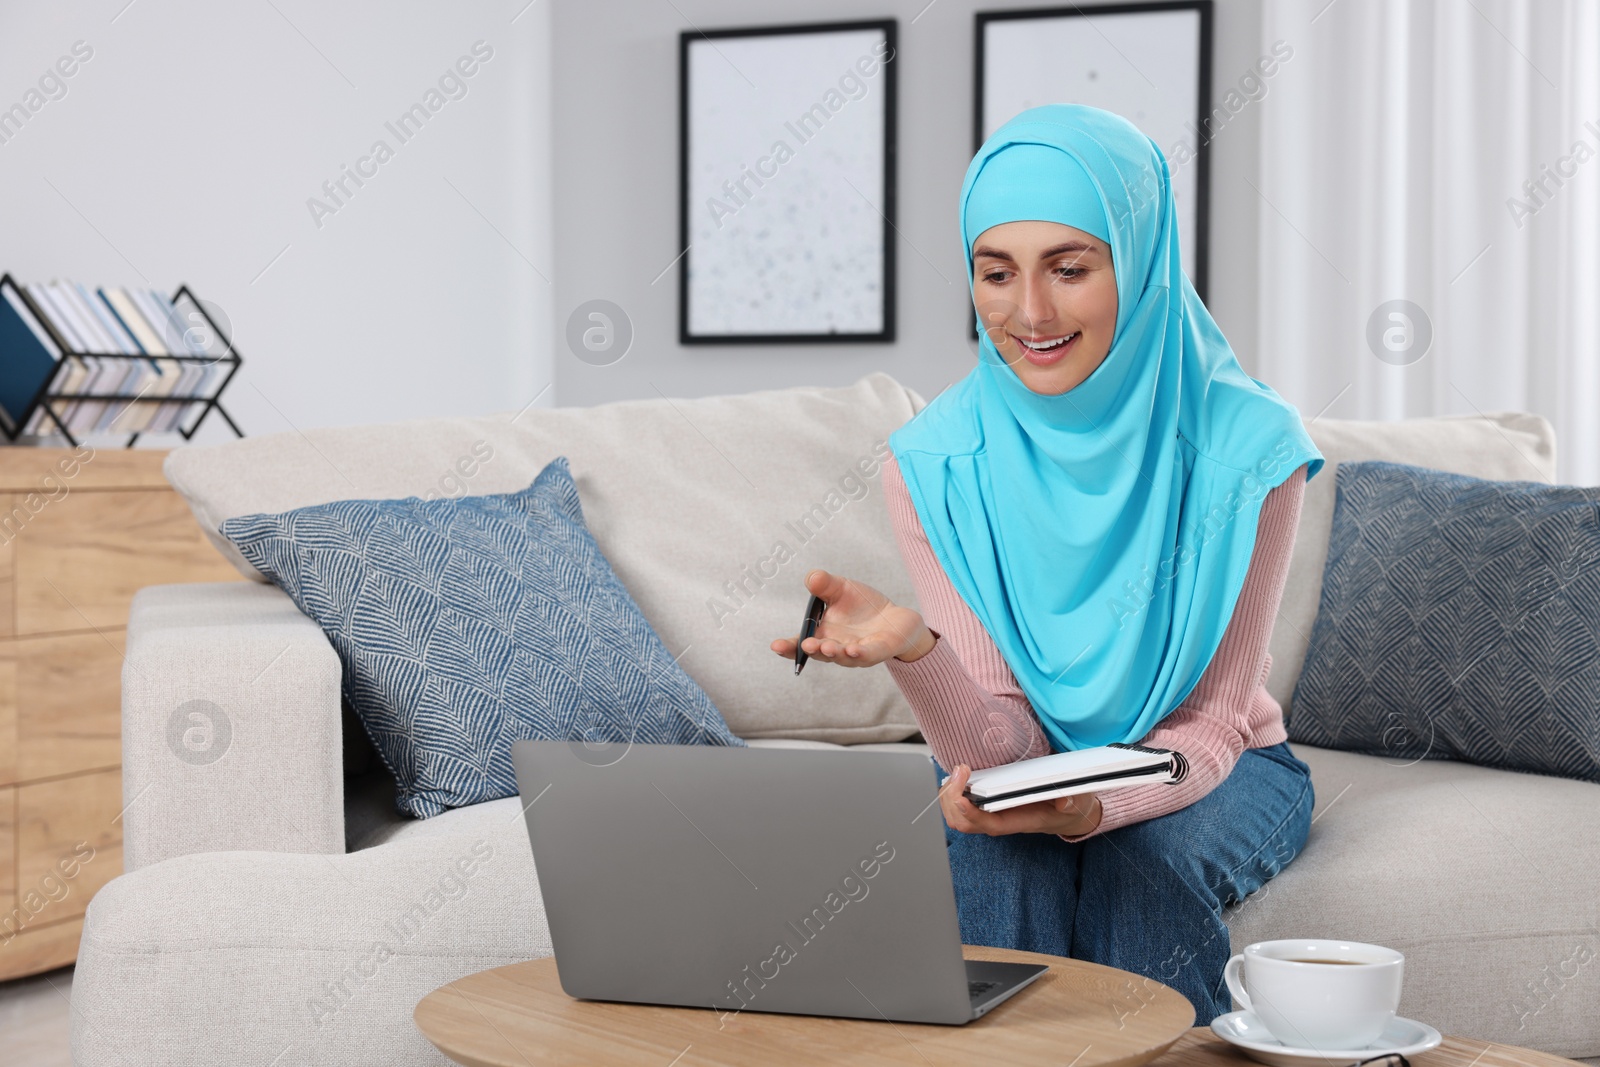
<point>1148,897</point>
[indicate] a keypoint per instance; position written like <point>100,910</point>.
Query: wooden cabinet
<point>81,530</point>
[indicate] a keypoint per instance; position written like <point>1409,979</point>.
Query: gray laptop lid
<point>746,879</point>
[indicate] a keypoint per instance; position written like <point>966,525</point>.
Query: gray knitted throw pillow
<point>1459,619</point>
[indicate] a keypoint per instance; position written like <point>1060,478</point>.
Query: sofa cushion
<point>1512,857</point>
<point>1499,444</point>
<point>371,819</point>
<point>1486,879</point>
<point>710,510</point>
<point>465,625</point>
<point>1460,619</point>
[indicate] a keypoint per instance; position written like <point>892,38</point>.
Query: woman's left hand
<point>1068,816</point>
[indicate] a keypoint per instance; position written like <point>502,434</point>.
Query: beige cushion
<point>373,821</point>
<point>711,511</point>
<point>1510,857</point>
<point>1504,445</point>
<point>1485,879</point>
<point>690,500</point>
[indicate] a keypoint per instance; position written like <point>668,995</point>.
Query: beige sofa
<point>276,909</point>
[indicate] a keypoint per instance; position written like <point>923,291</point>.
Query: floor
<point>34,1012</point>
<point>33,1019</point>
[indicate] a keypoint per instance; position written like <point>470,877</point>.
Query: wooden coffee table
<point>1201,1048</point>
<point>1079,1014</point>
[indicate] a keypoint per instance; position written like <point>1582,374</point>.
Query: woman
<point>1098,521</point>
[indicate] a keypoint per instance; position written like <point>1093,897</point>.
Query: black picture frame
<point>889,27</point>
<point>1202,207</point>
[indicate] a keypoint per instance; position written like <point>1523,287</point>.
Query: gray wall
<point>616,189</point>
<point>187,147</point>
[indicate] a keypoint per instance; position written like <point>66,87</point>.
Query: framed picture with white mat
<point>1149,63</point>
<point>787,181</point>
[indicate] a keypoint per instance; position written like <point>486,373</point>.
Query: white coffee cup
<point>1324,995</point>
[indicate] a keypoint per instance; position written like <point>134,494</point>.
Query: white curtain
<point>1445,153</point>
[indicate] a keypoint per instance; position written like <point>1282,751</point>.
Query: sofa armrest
<point>231,731</point>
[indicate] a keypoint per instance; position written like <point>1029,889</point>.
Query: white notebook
<point>1064,774</point>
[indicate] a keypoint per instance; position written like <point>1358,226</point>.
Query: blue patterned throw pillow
<point>1459,619</point>
<point>464,625</point>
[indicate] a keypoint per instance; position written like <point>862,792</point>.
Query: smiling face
<point>1047,297</point>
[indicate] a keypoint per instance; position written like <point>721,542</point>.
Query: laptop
<point>752,879</point>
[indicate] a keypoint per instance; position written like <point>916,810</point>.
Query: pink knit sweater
<point>972,711</point>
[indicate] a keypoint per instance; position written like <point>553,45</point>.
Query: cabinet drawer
<point>80,559</point>
<point>46,472</point>
<point>40,948</point>
<point>60,705</point>
<point>69,844</point>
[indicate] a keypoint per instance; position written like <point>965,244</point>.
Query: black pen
<point>808,628</point>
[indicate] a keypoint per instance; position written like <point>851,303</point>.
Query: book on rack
<point>156,379</point>
<point>1065,774</point>
<point>48,304</point>
<point>101,359</point>
<point>32,355</point>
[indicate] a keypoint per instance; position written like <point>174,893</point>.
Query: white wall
<point>616,192</point>
<point>186,148</point>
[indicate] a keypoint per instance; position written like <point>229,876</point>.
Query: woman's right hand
<point>861,627</point>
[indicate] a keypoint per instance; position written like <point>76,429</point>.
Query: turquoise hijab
<point>1101,535</point>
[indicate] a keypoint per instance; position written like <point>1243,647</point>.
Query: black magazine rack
<point>51,397</point>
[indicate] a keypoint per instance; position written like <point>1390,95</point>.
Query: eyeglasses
<point>1388,1059</point>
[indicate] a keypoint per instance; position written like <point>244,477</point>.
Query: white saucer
<point>1242,1029</point>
